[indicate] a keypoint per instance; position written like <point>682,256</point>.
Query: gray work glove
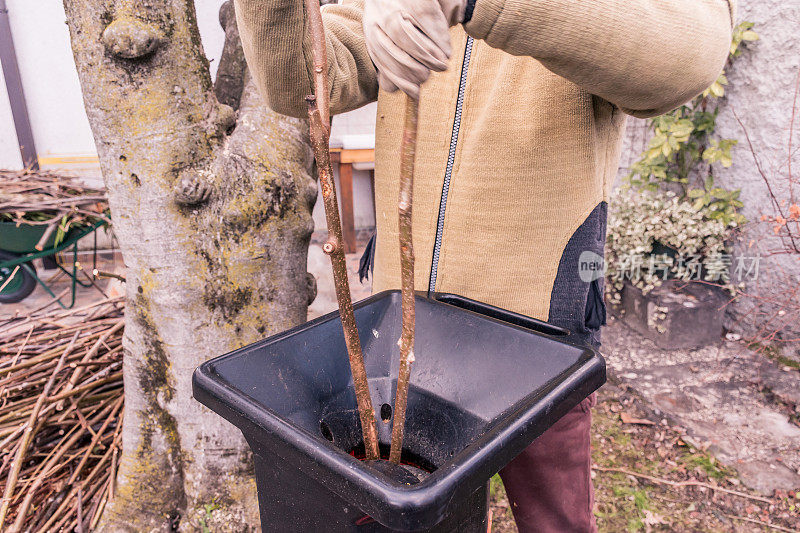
<point>406,39</point>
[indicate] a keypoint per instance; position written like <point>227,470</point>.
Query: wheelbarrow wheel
<point>21,283</point>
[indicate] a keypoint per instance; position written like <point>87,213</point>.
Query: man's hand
<point>406,39</point>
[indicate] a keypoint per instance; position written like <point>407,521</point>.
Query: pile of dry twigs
<point>60,416</point>
<point>43,198</point>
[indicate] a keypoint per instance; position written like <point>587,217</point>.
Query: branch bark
<point>212,210</point>
<point>407,152</point>
<point>232,69</point>
<point>319,114</point>
<point>319,58</point>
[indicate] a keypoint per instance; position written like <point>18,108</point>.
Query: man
<point>518,146</point>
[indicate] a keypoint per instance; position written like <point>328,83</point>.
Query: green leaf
<point>657,140</point>
<point>61,231</point>
<point>750,36</point>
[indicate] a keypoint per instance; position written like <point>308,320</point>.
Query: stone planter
<point>676,315</point>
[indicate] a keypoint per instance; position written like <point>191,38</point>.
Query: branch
<point>319,116</point>
<point>760,169</point>
<point>229,85</point>
<point>46,235</point>
<point>27,437</point>
<point>763,175</point>
<point>689,483</point>
<point>791,134</point>
<point>320,60</point>
<point>760,523</point>
<point>333,247</point>
<point>407,152</point>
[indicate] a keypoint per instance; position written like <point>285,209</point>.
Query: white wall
<point>761,92</point>
<point>60,128</point>
<point>58,120</point>
<point>49,79</point>
<point>210,31</point>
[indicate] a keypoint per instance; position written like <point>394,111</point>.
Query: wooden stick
<point>407,152</point>
<point>760,523</point>
<point>113,472</point>
<point>58,524</point>
<point>335,250</point>
<point>112,451</point>
<point>91,353</point>
<point>42,465</point>
<point>79,512</point>
<point>688,483</point>
<point>46,235</point>
<point>98,513</point>
<point>90,514</point>
<point>63,444</point>
<point>95,439</point>
<point>77,390</point>
<point>318,113</point>
<point>11,323</point>
<point>23,508</point>
<point>27,435</point>
<point>319,52</point>
<point>8,280</point>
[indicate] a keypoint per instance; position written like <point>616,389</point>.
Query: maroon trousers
<point>549,484</point>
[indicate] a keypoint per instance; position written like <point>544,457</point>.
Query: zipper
<point>451,156</point>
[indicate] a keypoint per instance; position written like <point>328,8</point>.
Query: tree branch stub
<point>329,247</point>
<point>130,38</point>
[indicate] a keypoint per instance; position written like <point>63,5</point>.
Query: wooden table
<point>345,159</point>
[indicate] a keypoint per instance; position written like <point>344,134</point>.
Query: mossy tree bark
<point>212,210</point>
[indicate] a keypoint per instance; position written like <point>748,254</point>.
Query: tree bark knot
<point>131,38</point>
<point>192,188</point>
<point>220,120</point>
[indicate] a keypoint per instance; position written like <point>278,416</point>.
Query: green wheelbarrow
<point>18,249</point>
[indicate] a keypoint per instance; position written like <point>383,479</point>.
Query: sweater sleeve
<point>277,47</point>
<point>645,56</point>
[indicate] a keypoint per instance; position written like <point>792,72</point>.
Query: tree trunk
<point>212,210</point>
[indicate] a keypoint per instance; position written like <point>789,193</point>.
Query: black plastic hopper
<point>486,383</point>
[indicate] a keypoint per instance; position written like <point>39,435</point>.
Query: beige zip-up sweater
<point>507,172</point>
